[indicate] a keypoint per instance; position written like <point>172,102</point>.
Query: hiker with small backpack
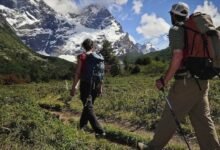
<point>90,72</point>
<point>195,60</point>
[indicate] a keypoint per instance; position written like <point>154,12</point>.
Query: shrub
<point>135,70</point>
<point>146,61</point>
<point>155,68</point>
<point>9,79</point>
<point>156,58</point>
<point>115,70</point>
<point>143,61</point>
<point>138,61</point>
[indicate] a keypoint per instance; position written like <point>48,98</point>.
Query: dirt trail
<point>66,116</point>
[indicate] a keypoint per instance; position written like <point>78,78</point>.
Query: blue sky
<point>147,21</point>
<point>130,20</point>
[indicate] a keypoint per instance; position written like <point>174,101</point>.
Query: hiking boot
<point>142,146</point>
<point>100,135</point>
<point>83,128</point>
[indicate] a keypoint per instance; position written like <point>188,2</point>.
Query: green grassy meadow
<point>129,111</point>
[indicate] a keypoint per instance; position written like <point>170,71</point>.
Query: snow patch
<point>43,53</point>
<point>132,39</point>
<point>94,10</point>
<point>31,16</point>
<point>5,8</point>
<point>34,2</point>
<point>80,33</point>
<point>27,19</point>
<point>70,58</point>
<point>11,21</point>
<point>18,19</point>
<point>33,32</point>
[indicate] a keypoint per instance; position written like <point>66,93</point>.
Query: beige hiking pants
<point>187,99</point>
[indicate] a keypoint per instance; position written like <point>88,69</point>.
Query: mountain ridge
<point>19,64</point>
<point>48,32</point>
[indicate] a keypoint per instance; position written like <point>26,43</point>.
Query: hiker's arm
<point>76,78</point>
<point>100,88</point>
<point>173,67</point>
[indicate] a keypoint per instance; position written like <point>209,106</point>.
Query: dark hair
<point>177,17</point>
<point>87,44</point>
<point>180,18</point>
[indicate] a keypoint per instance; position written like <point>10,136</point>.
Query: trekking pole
<point>176,119</point>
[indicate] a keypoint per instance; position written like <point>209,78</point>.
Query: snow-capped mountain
<point>49,32</point>
<point>145,48</point>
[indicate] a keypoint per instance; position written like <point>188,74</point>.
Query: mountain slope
<point>164,54</point>
<point>48,32</point>
<point>18,63</point>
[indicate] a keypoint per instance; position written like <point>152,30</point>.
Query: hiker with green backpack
<point>194,42</point>
<point>90,72</point>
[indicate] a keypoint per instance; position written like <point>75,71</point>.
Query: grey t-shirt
<point>176,38</point>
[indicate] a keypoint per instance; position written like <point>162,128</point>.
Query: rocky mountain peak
<point>49,32</point>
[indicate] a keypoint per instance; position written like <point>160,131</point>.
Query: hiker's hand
<point>101,91</point>
<point>160,83</point>
<point>73,92</point>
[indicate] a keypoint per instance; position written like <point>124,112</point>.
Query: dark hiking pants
<point>88,114</point>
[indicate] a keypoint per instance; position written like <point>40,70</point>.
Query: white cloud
<point>152,26</point>
<point>84,3</point>
<point>106,3</point>
<point>115,8</point>
<point>63,6</point>
<point>66,6</point>
<point>155,41</point>
<point>209,8</point>
<point>137,5</point>
<point>125,17</point>
<point>121,2</point>
<point>159,43</point>
<point>163,43</point>
<point>154,29</point>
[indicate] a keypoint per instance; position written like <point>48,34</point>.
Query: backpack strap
<point>82,59</point>
<point>204,37</point>
<point>186,47</point>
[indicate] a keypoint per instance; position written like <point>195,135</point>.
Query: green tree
<point>115,70</point>
<point>126,64</point>
<point>156,58</point>
<point>110,58</point>
<point>138,61</point>
<point>146,61</point>
<point>143,61</point>
<point>107,51</point>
